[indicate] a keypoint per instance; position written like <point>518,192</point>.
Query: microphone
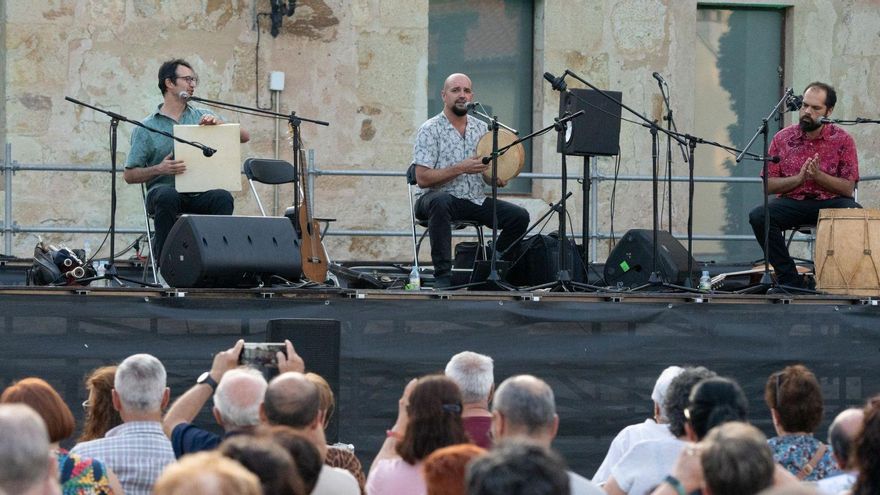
<point>472,105</point>
<point>659,78</point>
<point>826,120</point>
<point>208,151</point>
<point>793,103</point>
<point>557,83</point>
<point>184,95</point>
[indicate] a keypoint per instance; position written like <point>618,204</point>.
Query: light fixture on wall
<point>280,9</point>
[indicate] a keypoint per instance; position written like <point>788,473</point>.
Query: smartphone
<point>262,356</point>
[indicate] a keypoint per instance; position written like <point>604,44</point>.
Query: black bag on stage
<point>537,261</point>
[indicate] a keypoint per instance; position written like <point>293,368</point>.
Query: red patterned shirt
<point>837,157</point>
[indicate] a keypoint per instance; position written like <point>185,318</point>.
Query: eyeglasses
<point>86,405</point>
<point>189,79</point>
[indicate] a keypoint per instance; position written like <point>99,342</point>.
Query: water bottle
<point>414,282</point>
<point>705,282</point>
<point>100,270</point>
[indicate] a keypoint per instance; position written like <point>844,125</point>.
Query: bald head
<point>527,404</point>
<point>842,432</point>
<point>457,92</point>
<point>291,400</point>
<point>238,397</point>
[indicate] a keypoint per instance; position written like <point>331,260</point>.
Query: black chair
<point>275,172</point>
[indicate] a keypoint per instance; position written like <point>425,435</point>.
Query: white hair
<point>24,448</point>
<point>658,395</point>
<point>140,383</point>
<point>474,375</point>
<point>239,395</point>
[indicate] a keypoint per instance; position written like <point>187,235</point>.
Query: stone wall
<point>362,65</point>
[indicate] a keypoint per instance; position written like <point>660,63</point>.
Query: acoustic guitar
<point>314,257</point>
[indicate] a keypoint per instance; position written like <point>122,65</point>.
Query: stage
<point>601,352</point>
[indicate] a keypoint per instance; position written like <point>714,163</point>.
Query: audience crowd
<point>455,433</point>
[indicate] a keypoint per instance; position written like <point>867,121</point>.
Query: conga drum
<point>846,259</point>
<point>510,164</point>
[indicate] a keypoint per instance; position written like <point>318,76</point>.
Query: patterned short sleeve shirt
<point>438,145</point>
<point>837,157</point>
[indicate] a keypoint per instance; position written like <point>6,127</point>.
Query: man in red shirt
<point>818,168</point>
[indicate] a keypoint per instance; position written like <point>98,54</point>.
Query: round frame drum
<point>510,164</point>
<point>845,258</point>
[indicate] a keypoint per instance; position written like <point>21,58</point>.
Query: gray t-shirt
<point>646,464</point>
<point>438,145</point>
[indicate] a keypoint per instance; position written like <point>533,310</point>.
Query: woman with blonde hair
<point>101,416</point>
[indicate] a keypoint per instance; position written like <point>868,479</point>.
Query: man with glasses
<point>151,158</point>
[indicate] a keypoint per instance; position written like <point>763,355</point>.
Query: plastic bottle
<point>100,270</point>
<point>414,282</point>
<point>705,282</point>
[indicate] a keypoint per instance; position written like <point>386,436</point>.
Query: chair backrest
<point>269,171</point>
<point>411,175</point>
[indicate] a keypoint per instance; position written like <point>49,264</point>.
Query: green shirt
<point>150,148</point>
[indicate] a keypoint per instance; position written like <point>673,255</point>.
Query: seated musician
<point>450,179</point>
<point>151,157</point>
<point>818,168</point>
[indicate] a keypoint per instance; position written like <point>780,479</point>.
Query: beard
<point>808,125</point>
<point>461,111</point>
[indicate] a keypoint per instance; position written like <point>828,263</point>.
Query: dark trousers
<point>786,214</point>
<point>166,204</point>
<point>440,208</point>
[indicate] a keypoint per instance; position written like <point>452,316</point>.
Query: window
<point>492,42</point>
<point>738,80</point>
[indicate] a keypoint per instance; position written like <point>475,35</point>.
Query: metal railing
<point>10,227</point>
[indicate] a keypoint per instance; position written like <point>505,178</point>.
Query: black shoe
<point>442,282</point>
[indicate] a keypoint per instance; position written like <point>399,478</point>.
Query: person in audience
<point>237,394</point>
<point>304,453</point>
<point>736,460</point>
<point>713,402</point>
<point>841,434</point>
<point>646,463</point>
<point>518,467</point>
<point>268,460</point>
<point>790,489</point>
<point>524,407</point>
<point>428,418</point>
<point>655,428</point>
<point>207,473</point>
<point>137,450</point>
<point>292,400</point>
<point>101,416</point>
<point>26,466</point>
<point>474,375</point>
<point>866,451</point>
<point>445,468</point>
<point>339,455</point>
<point>78,475</point>
<point>795,401</point>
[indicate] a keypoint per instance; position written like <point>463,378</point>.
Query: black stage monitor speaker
<point>597,132</point>
<point>317,342</point>
<point>630,261</point>
<point>229,251</point>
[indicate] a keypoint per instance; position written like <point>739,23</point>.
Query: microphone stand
<point>670,126</point>
<point>655,280</point>
<point>111,273</point>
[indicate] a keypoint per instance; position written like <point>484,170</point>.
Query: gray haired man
<point>26,466</point>
<point>137,450</point>
<point>524,407</point>
<point>474,375</point>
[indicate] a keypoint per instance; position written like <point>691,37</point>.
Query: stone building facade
<point>362,65</point>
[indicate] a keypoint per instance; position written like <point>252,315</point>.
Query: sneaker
<point>442,282</point>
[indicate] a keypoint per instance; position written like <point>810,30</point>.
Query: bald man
<point>449,176</point>
<point>841,434</point>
